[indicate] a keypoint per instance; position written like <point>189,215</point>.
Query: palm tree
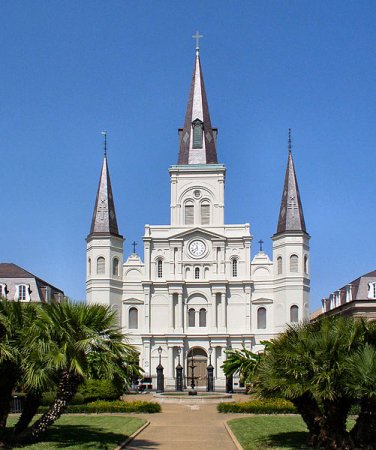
<point>242,362</point>
<point>15,320</point>
<point>70,332</point>
<point>308,365</point>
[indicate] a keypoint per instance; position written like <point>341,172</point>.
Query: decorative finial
<point>104,133</point>
<point>197,36</point>
<point>289,144</point>
<point>134,243</point>
<point>260,242</point>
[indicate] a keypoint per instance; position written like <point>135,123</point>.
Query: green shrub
<point>93,390</point>
<point>102,406</point>
<point>277,406</point>
<point>49,397</point>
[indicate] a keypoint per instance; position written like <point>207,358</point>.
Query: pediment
<point>133,301</point>
<point>262,301</point>
<point>198,231</point>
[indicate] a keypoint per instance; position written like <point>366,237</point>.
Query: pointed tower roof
<point>202,149</point>
<point>104,216</point>
<point>291,216</point>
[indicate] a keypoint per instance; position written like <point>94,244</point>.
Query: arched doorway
<point>200,362</point>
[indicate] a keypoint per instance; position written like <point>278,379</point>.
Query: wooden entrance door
<point>200,362</point>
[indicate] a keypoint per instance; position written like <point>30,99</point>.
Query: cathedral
<point>199,292</point>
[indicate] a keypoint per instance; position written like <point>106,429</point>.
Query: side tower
<point>104,247</point>
<point>291,254</point>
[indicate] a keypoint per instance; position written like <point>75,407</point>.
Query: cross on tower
<point>197,36</point>
<point>260,242</point>
<point>134,243</point>
<point>104,133</point>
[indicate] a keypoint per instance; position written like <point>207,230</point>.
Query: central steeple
<point>197,138</point>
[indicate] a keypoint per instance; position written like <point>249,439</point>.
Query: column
<point>171,362</point>
<point>185,313</point>
<point>179,321</point>
<point>147,310</point>
<point>223,306</point>
<point>214,311</point>
<point>171,313</point>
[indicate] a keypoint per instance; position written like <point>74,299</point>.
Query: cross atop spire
<point>289,141</point>
<point>104,133</point>
<point>197,138</point>
<point>197,36</point>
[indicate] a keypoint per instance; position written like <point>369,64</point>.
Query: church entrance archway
<point>200,361</point>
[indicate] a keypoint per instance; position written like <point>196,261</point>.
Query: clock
<point>197,249</point>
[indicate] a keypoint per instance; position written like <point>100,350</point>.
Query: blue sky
<point>71,69</point>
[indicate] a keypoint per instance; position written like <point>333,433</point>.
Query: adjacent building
<point>18,284</point>
<point>355,299</point>
<point>198,291</point>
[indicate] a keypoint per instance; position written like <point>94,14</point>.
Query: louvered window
<point>306,264</point>
<point>294,263</point>
<point>100,265</point>
<point>189,214</point>
<point>294,313</point>
<point>89,266</point>
<point>115,267</point>
<point>22,292</point>
<point>205,214</point>
<point>191,318</point>
<point>133,318</point>
<point>197,134</point>
<point>202,317</point>
<point>197,273</point>
<point>261,318</point>
<point>279,265</point>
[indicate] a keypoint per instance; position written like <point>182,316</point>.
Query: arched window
<point>205,213</point>
<point>133,318</point>
<point>100,265</point>
<point>294,313</point>
<point>189,212</point>
<point>197,273</point>
<point>159,268</point>
<point>191,318</point>
<point>235,267</point>
<point>279,265</point>
<point>305,264</point>
<point>261,318</point>
<point>294,260</point>
<point>89,266</point>
<point>115,267</point>
<point>202,317</point>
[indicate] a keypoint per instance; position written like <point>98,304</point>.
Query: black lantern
<point>179,372</point>
<point>210,370</point>
<point>160,376</point>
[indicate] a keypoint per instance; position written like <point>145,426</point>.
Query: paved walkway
<point>181,426</point>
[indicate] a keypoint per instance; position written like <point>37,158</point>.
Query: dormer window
<point>197,133</point>
<point>3,291</point>
<point>372,290</point>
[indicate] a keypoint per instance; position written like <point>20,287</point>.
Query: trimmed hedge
<point>93,390</point>
<point>102,406</point>
<point>49,397</point>
<point>278,406</point>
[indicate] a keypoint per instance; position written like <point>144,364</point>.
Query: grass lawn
<point>94,432</point>
<point>277,432</point>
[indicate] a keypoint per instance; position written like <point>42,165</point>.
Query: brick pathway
<point>181,426</point>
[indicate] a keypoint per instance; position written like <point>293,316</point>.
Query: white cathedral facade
<point>198,289</point>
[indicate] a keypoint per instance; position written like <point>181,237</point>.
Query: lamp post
<point>179,373</point>
<point>160,376</point>
<point>210,369</point>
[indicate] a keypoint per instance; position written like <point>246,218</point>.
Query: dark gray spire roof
<point>291,216</point>
<point>197,108</point>
<point>104,216</point>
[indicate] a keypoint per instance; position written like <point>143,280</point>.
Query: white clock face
<point>197,248</point>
